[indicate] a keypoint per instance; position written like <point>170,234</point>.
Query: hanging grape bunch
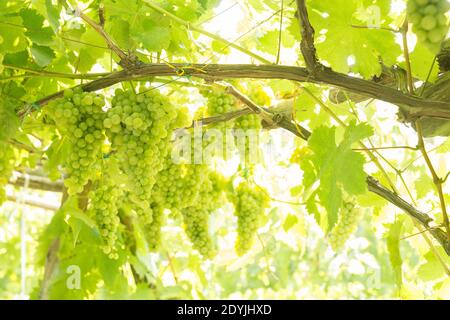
<point>139,127</point>
<point>219,102</point>
<point>196,217</point>
<point>250,204</point>
<point>178,185</point>
<point>79,119</point>
<point>104,207</point>
<point>346,225</point>
<point>429,21</point>
<point>153,230</point>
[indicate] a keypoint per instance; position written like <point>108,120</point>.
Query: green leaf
<point>56,153</point>
<point>154,38</point>
<point>42,55</point>
<point>337,40</point>
<point>37,33</point>
<point>12,33</point>
<point>53,11</point>
<point>269,41</point>
<point>289,222</point>
<point>17,59</point>
<point>421,61</point>
<point>8,120</point>
<point>337,167</point>
<point>432,269</point>
<point>393,245</point>
<point>423,185</point>
<point>119,30</point>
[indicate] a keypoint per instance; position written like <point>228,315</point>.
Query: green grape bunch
<point>152,230</point>
<point>346,225</point>
<point>429,21</point>
<point>78,117</point>
<point>196,217</point>
<point>250,203</point>
<point>139,127</point>
<point>219,102</point>
<point>178,185</point>
<point>104,206</point>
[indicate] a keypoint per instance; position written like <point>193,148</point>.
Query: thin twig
<point>277,61</point>
<point>385,148</point>
<point>436,180</point>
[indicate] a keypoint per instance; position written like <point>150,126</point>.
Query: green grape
<point>196,217</point>
<point>345,226</point>
<point>139,127</point>
<point>104,207</point>
<point>250,204</point>
<point>429,21</point>
<point>219,102</point>
<point>6,167</point>
<point>80,122</point>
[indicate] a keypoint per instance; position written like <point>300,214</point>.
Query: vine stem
<point>404,33</point>
<point>122,55</point>
<point>279,32</point>
<point>206,33</point>
<point>436,180</point>
<point>172,267</point>
<point>421,146</point>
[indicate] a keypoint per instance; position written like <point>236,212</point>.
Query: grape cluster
<point>79,118</point>
<point>346,225</point>
<point>219,102</point>
<point>196,217</point>
<point>6,167</point>
<point>178,185</point>
<point>153,229</point>
<point>139,127</point>
<point>104,206</point>
<point>250,204</point>
<point>429,21</point>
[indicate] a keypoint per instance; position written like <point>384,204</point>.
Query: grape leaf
<point>36,32</point>
<point>289,222</point>
<point>337,167</point>
<point>334,23</point>
<point>269,41</point>
<point>42,55</point>
<point>154,38</point>
<point>393,245</point>
<point>432,269</point>
<point>12,34</point>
